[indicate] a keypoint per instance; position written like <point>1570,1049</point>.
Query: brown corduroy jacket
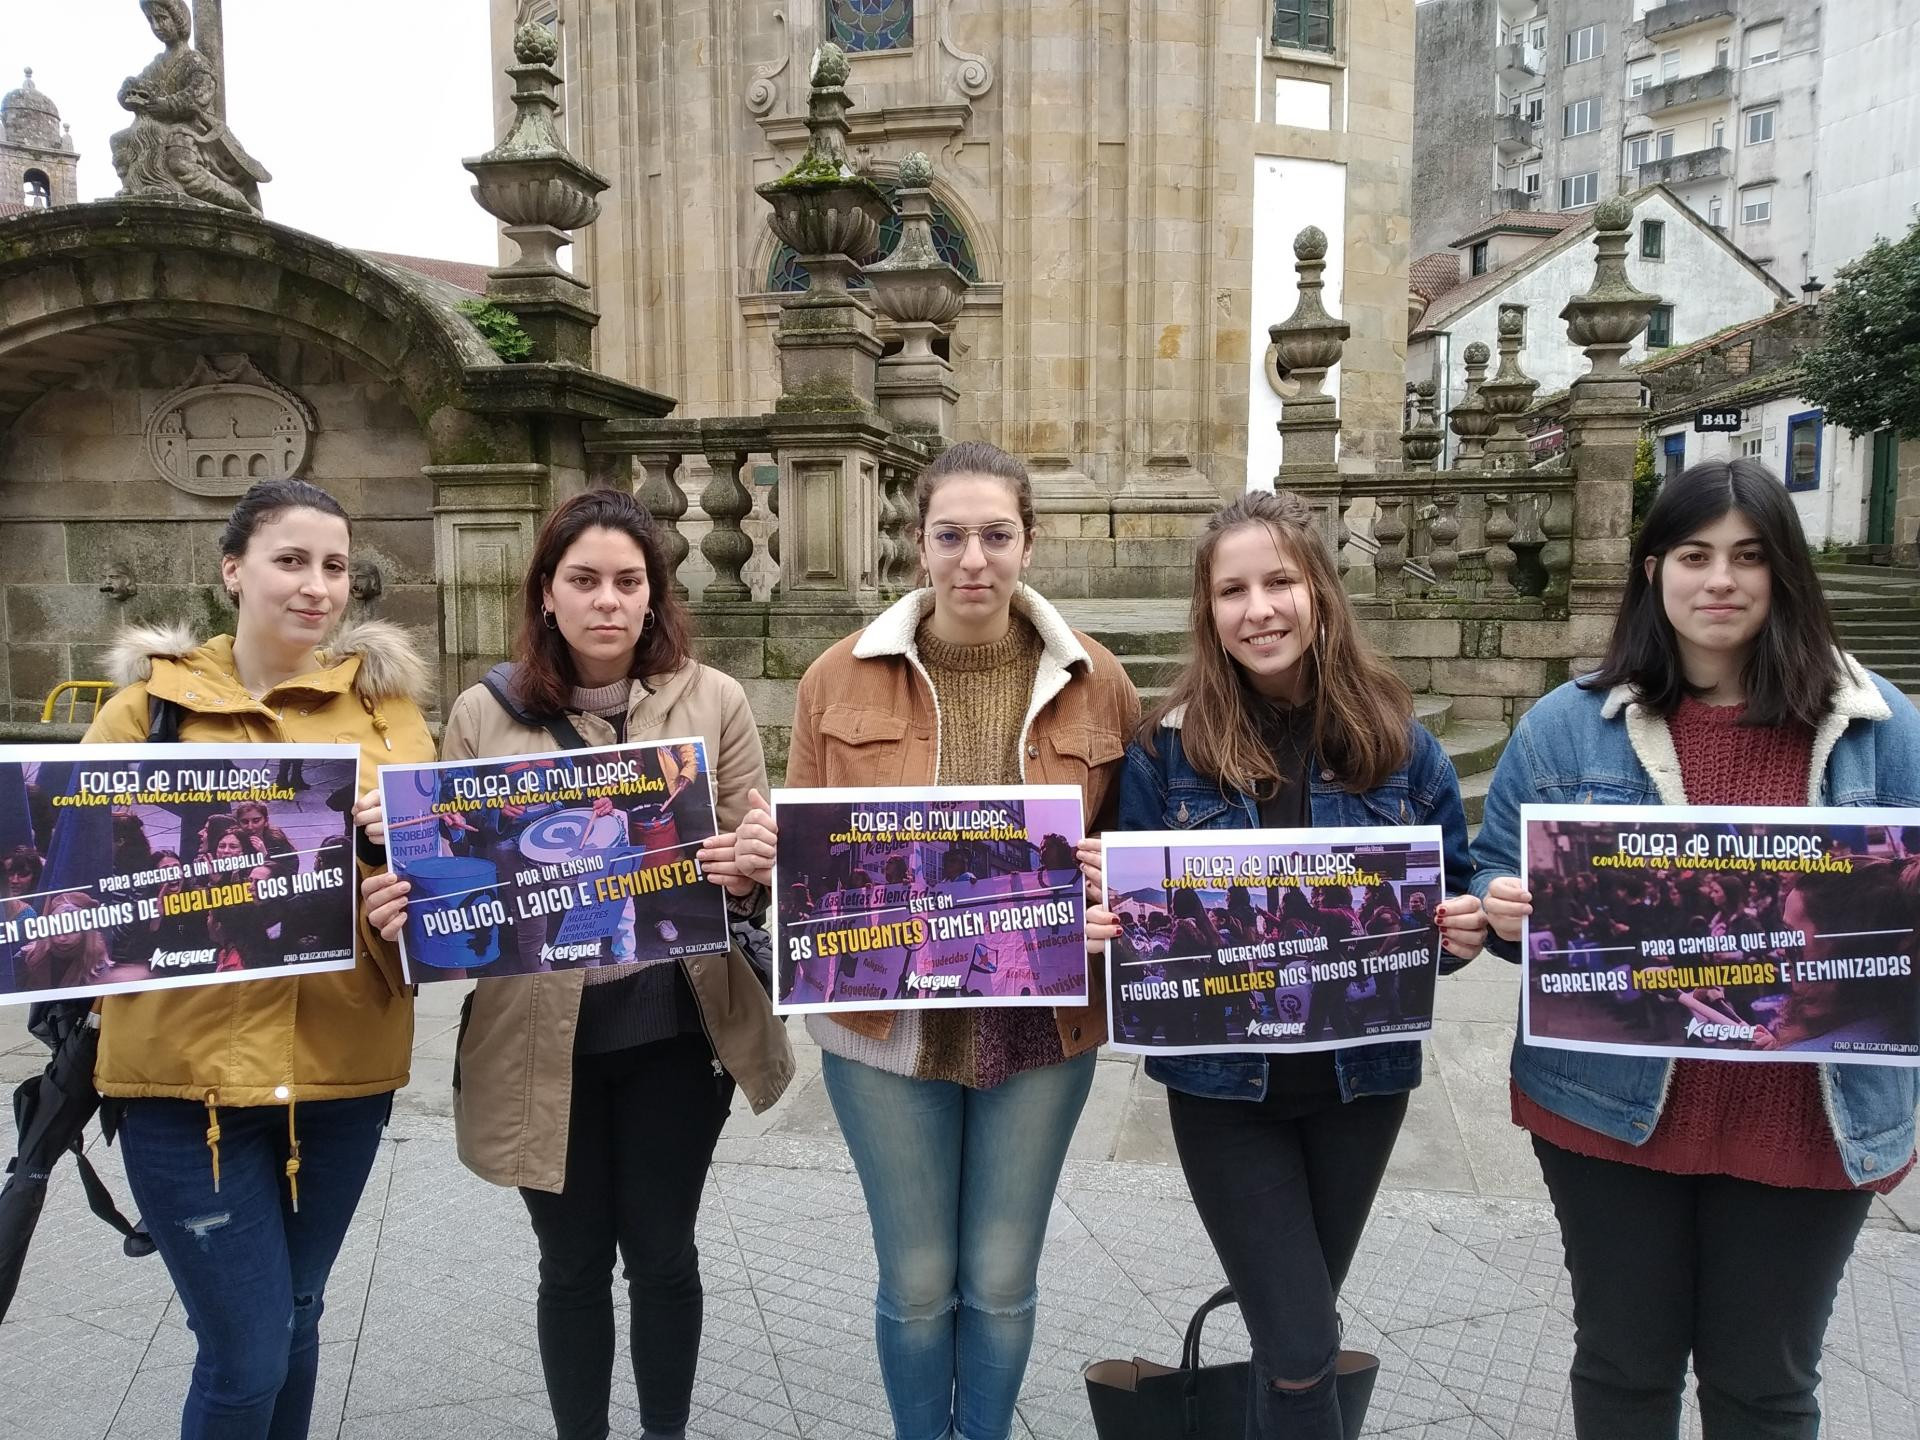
<point>867,716</point>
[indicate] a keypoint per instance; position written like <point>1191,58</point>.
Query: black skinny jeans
<point>639,1141</point>
<point>1739,1275</point>
<point>1285,1197</point>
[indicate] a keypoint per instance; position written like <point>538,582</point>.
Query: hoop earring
<point>546,618</point>
<point>647,624</point>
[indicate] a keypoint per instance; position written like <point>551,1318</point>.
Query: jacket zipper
<point>701,1010</point>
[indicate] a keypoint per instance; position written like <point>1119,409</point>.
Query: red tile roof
<point>1525,222</point>
<point>454,272</point>
<point>1433,275</point>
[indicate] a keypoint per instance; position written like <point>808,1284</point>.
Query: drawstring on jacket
<point>213,1137</point>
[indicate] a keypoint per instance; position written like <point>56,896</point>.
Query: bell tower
<point>38,164</point>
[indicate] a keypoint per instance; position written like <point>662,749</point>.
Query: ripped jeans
<point>959,1183</point>
<point>251,1271</point>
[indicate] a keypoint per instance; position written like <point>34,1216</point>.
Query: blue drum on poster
<point>451,883</point>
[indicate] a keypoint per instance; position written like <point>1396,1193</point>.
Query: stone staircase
<point>1150,636</point>
<point>1877,609</point>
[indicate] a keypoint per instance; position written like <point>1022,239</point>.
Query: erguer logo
<point>570,952</point>
<point>179,959</point>
<point>1711,1030</point>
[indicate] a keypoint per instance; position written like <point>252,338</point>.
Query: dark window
<point>1674,453</point>
<point>1803,450</point>
<point>1660,327</point>
<point>1303,24</point>
<point>35,190</point>
<point>864,25</point>
<point>1653,239</point>
<point>1477,259</point>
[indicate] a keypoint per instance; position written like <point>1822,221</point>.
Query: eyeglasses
<point>996,539</point>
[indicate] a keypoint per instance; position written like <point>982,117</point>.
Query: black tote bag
<point>1140,1400</point>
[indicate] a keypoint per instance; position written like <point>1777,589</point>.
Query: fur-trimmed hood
<point>390,665</point>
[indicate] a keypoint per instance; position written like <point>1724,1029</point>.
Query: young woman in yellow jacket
<point>249,1114</point>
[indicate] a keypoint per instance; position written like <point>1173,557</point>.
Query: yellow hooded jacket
<point>332,1036</point>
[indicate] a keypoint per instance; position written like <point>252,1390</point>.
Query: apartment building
<point>1554,105</point>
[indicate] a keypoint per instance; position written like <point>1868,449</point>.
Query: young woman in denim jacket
<point>1722,684</point>
<point>1284,718</point>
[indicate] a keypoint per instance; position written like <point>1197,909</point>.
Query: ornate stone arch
<point>124,273</point>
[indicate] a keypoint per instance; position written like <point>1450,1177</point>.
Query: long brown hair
<point>544,677</point>
<point>1362,710</point>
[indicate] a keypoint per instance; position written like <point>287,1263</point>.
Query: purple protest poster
<point>150,867</point>
<point>947,895</point>
<point>570,860</point>
<point>1272,939</point>
<point>1723,933</point>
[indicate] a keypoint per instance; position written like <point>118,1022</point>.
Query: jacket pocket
<point>1076,752</point>
<point>460,1037</point>
<point>865,746</point>
<point>1200,807</point>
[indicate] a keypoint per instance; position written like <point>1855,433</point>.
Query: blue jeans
<point>958,1185</point>
<point>250,1270</point>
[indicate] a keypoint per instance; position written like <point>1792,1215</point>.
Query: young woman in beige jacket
<point>601,1092</point>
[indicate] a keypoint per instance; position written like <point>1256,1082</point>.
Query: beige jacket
<point>515,1056</point>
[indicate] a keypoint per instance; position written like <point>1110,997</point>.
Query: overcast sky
<point>362,109</point>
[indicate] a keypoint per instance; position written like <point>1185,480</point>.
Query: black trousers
<point>1740,1276</point>
<point>1285,1197</point>
<point>639,1142</point>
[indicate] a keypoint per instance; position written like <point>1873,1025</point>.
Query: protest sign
<point>948,895</point>
<point>142,867</point>
<point>562,861</point>
<point>1272,939</point>
<point>1733,933</point>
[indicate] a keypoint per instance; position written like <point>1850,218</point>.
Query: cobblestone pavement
<point>429,1323</point>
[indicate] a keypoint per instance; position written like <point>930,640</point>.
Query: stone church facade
<point>1121,179</point>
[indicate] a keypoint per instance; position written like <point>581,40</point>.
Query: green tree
<point>1865,371</point>
<point>1646,483</point>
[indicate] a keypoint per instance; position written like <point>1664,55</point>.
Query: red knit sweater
<point>1765,1123</point>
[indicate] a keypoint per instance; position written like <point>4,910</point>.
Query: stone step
<point>1474,745</point>
<point>1473,795</point>
<point>1865,627</point>
<point>1434,711</point>
<point>1155,672</point>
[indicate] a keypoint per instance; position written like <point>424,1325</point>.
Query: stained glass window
<point>856,25</point>
<point>788,274</point>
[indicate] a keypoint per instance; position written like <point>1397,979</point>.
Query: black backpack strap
<point>499,683</point>
<point>163,721</point>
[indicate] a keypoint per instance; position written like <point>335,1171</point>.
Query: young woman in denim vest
<point>1285,718</point>
<point>1722,685</point>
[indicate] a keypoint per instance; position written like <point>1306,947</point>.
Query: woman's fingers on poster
<point>603,806</point>
<point>1092,858</point>
<point>385,896</point>
<point>754,841</point>
<point>1508,904</point>
<point>370,815</point>
<point>1463,926</point>
<point>1102,925</point>
<point>719,858</point>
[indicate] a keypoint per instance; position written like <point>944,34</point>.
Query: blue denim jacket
<point>1579,747</point>
<point>1165,792</point>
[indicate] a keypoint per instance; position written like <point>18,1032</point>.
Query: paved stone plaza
<point>429,1325</point>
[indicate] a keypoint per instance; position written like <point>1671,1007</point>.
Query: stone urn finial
<point>1420,442</point>
<point>1607,319</point>
<point>1508,393</point>
<point>1308,343</point>
<point>913,287</point>
<point>1470,419</point>
<point>530,181</point>
<point>825,209</point>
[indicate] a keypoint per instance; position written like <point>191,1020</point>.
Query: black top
<point>1296,1084</point>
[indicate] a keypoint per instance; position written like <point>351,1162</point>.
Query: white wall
<point>1288,195</point>
<point>1836,509</point>
<point>1707,285</point>
<point>1867,182</point>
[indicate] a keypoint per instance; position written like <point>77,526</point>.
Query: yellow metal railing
<point>91,693</point>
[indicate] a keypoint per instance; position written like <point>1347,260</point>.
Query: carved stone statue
<point>177,145</point>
